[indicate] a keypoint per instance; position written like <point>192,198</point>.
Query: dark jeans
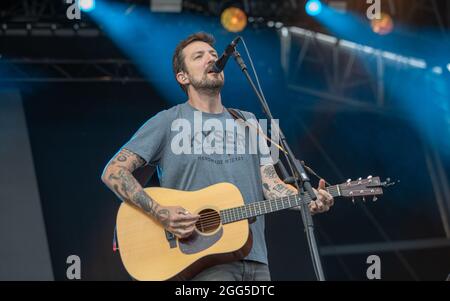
<point>242,270</point>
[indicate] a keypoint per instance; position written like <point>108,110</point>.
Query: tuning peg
<point>349,180</point>
<point>369,177</point>
<point>359,179</point>
<point>375,199</point>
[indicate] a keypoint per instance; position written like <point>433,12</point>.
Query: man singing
<point>253,174</point>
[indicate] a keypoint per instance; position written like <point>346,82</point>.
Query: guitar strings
<point>212,218</point>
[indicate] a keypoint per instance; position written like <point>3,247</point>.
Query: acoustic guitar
<point>222,233</point>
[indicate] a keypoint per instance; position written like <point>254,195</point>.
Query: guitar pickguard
<point>198,242</point>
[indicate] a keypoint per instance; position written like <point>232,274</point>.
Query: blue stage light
<point>313,7</point>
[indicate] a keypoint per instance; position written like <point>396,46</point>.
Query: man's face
<point>199,58</point>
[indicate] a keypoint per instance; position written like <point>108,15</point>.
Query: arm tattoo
<point>277,190</point>
<point>164,217</point>
<point>125,186</point>
<point>145,202</point>
<point>128,189</point>
<point>270,195</point>
<point>273,187</point>
<point>269,172</point>
<point>132,160</point>
<point>283,189</point>
<point>268,192</point>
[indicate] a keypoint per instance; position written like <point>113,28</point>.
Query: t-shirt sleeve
<point>149,141</point>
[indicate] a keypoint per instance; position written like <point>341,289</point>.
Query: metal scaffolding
<point>65,70</point>
<point>342,71</point>
<point>338,64</point>
<point>44,18</point>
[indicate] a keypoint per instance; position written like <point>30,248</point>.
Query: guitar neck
<point>268,206</point>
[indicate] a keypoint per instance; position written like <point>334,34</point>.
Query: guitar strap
<point>237,115</point>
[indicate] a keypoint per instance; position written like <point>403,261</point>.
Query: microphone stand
<point>302,181</point>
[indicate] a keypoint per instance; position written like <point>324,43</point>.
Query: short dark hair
<point>178,64</point>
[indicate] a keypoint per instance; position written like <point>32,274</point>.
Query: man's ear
<point>182,78</point>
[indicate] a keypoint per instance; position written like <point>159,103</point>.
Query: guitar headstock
<point>371,186</point>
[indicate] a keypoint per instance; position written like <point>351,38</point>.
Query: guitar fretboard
<point>268,206</point>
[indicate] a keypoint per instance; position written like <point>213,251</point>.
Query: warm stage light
<point>384,25</point>
<point>233,19</point>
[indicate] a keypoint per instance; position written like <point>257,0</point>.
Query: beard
<point>207,84</point>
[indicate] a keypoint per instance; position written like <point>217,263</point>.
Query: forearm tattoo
<point>125,186</point>
<point>163,216</point>
<point>284,189</point>
<point>273,187</point>
<point>269,172</point>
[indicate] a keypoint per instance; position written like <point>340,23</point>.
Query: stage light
<point>448,67</point>
<point>384,25</point>
<point>313,7</point>
<point>437,70</point>
<point>233,19</point>
<point>86,5</point>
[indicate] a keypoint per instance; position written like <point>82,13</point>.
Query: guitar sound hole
<point>209,221</point>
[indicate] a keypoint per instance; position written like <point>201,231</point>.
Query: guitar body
<point>149,253</point>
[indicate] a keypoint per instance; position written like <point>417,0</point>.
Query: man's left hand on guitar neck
<point>274,187</point>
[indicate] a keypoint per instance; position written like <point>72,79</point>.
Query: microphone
<point>219,65</point>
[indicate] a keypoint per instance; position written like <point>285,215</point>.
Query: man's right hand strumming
<point>177,220</point>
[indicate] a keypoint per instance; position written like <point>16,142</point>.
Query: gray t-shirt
<point>181,166</point>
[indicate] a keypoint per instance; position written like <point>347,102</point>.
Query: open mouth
<point>209,70</point>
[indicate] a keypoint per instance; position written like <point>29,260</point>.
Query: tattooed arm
<point>274,187</point>
<point>119,178</point>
